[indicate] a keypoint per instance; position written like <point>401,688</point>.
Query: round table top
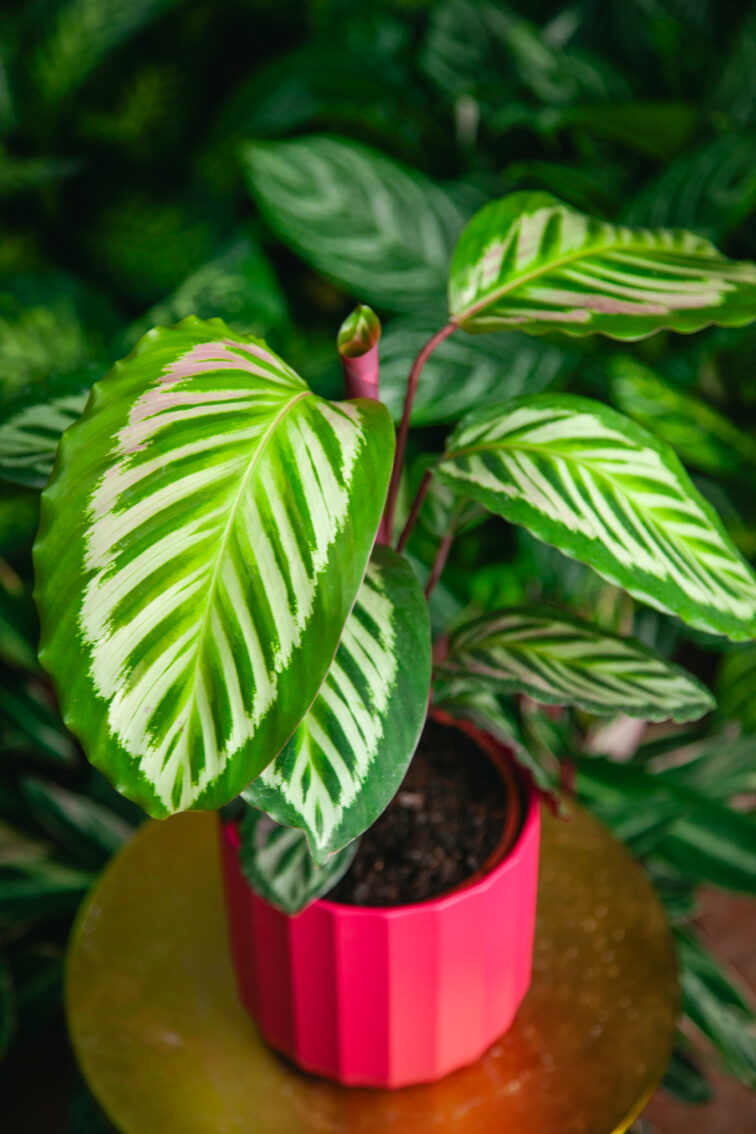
<point>167,1048</point>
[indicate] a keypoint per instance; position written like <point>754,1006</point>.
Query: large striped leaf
<point>380,230</point>
<point>600,488</point>
<point>349,755</point>
<point>464,371</point>
<point>559,659</point>
<point>31,426</point>
<point>277,863</point>
<point>528,261</point>
<point>202,542</point>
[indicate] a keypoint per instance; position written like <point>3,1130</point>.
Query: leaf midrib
<point>200,640</point>
<point>581,253</point>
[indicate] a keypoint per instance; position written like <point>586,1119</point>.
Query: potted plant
<point>231,621</point>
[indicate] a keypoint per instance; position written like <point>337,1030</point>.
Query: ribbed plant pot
<point>389,996</point>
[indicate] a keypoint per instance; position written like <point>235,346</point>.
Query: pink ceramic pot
<point>389,996</point>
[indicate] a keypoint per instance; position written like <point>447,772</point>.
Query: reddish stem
<point>439,562</point>
<point>401,437</point>
<point>361,375</point>
<point>361,380</point>
<point>414,511</point>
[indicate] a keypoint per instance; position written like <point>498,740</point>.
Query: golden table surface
<point>167,1049</point>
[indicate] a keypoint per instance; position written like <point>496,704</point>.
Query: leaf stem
<point>440,561</point>
<point>414,511</point>
<point>401,437</point>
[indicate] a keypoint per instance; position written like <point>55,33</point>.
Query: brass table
<point>167,1049</point>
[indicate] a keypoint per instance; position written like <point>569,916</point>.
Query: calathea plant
<point>222,610</point>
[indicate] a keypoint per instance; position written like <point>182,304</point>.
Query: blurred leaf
<point>710,190</point>
<point>31,892</point>
<point>736,686</point>
<point>31,425</point>
<point>21,174</point>
<point>464,370</point>
<point>18,626</point>
<point>380,230</point>
<point>685,1080</point>
<point>703,437</point>
<point>87,831</point>
<point>80,36</point>
<point>50,323</point>
<point>31,725</point>
<point>721,1010</point>
<point>19,519</point>
<point>238,286</point>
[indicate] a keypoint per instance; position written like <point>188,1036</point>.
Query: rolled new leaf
<point>558,659</point>
<point>530,262</point>
<point>202,541</point>
<point>277,863</point>
<point>594,484</point>
<point>349,755</point>
<point>357,343</point>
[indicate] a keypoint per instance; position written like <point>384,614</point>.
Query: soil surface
<point>442,825</point>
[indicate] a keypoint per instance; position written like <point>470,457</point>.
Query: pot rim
<point>506,855</point>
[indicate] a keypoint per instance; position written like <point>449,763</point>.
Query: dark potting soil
<point>442,825</point>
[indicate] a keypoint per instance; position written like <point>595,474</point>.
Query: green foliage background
<point>123,202</point>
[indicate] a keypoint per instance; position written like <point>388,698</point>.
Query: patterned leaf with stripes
<point>558,659</point>
<point>202,541</point>
<point>349,755</point>
<point>530,262</point>
<point>380,230</point>
<point>31,426</point>
<point>594,484</point>
<point>277,863</point>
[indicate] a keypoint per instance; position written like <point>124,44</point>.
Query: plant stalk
<point>439,562</point>
<point>414,511</point>
<point>401,437</point>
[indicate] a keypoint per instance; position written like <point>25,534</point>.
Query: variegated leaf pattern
<point>382,231</point>
<point>31,426</point>
<point>529,261</point>
<point>202,541</point>
<point>277,863</point>
<point>600,488</point>
<point>558,659</point>
<point>349,755</point>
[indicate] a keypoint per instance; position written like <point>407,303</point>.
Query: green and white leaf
<point>201,544</point>
<point>277,863</point>
<point>31,426</point>
<point>558,659</point>
<point>349,755</point>
<point>464,371</point>
<point>594,484</point>
<point>380,230</point>
<point>530,262</point>
<point>702,436</point>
